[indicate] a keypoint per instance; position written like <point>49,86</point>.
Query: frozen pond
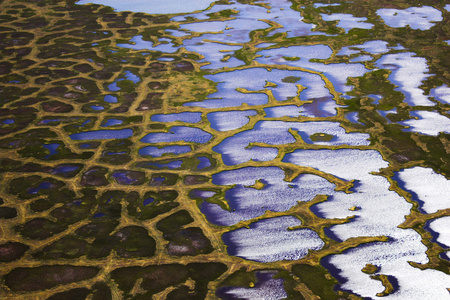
<point>236,149</point>
<point>247,202</point>
<point>441,94</point>
<point>441,227</point>
<point>422,18</point>
<point>347,21</point>
<point>178,133</point>
<point>427,122</point>
<point>102,134</point>
<point>247,86</point>
<point>230,120</point>
<point>270,240</point>
<point>266,287</point>
<point>380,212</point>
<point>157,152</point>
<point>408,72</point>
<point>153,6</point>
<point>337,73</point>
<point>187,117</point>
<point>426,187</point>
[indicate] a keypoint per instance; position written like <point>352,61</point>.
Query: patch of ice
<point>156,152</point>
<point>361,58</point>
<point>408,72</point>
<point>441,94</point>
<point>283,111</point>
<point>317,5</point>
<point>427,122</point>
<point>427,187</point>
<point>336,73</point>
<point>380,212</point>
<point>246,202</point>
<point>178,133</point>
<point>422,18</point>
<point>230,120</point>
<point>187,117</point>
<point>374,47</point>
<point>236,150</point>
<point>266,287</point>
<point>140,44</point>
<point>270,240</point>
<point>250,17</point>
<point>255,81</point>
<point>153,6</point>
<point>441,226</point>
<point>347,21</point>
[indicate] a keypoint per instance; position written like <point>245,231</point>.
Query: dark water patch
<point>134,241</point>
<point>189,241</point>
<point>77,293</point>
<point>127,177</point>
<point>316,279</point>
<point>11,251</point>
<point>67,170</point>
<point>66,248</point>
<point>8,212</point>
<point>163,179</point>
<point>154,204</point>
<point>46,277</point>
<point>111,122</point>
<point>195,179</point>
<point>95,176</point>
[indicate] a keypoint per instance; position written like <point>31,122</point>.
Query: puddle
<point>270,240</point>
<point>52,148</point>
<point>111,122</point>
<point>131,76</point>
<point>204,162</point>
<point>110,99</point>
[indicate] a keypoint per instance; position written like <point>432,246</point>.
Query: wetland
<point>230,149</point>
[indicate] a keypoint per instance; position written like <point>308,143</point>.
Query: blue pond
<point>156,152</point>
<point>188,117</point>
<point>102,134</point>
